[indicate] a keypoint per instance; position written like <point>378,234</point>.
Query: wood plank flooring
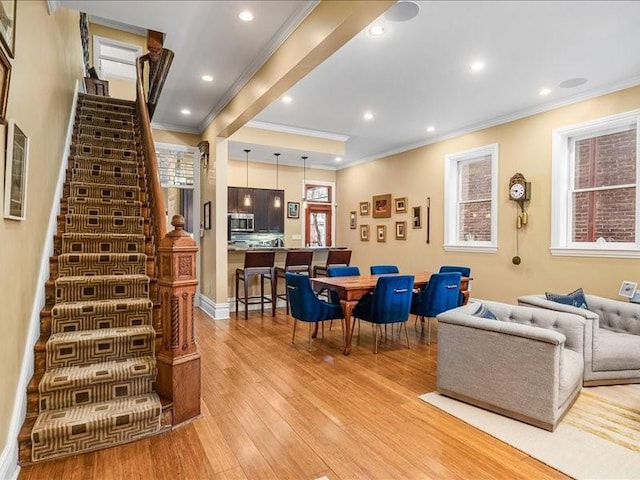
<point>273,410</point>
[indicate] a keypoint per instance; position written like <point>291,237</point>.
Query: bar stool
<point>296,261</point>
<point>256,263</point>
<point>335,257</point>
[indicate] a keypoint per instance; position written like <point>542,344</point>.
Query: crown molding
<point>142,32</point>
<point>275,127</point>
<point>287,163</point>
<point>175,128</point>
<point>277,40</point>
<point>520,114</point>
<point>52,6</point>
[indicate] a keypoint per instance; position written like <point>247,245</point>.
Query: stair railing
<point>174,254</point>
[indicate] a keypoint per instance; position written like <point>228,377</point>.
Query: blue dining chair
<point>340,271</point>
<point>390,303</point>
<point>306,306</point>
<point>382,269</point>
<point>464,271</point>
<point>440,295</point>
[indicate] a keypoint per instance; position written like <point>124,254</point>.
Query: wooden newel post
<point>178,359</point>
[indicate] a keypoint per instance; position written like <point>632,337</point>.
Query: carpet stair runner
<point>95,369</point>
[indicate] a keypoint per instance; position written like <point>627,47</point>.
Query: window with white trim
<point>595,194</point>
<point>114,59</point>
<point>470,200</point>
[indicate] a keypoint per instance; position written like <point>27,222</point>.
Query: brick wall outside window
<point>605,160</point>
<point>475,184</point>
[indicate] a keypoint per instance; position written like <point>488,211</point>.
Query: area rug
<point>598,439</point>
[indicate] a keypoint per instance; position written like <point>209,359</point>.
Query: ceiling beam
<point>324,31</point>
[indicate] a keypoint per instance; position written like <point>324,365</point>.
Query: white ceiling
<point>417,74</point>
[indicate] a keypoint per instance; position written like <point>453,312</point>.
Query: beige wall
<point>117,88</point>
<point>176,138</point>
<point>47,47</point>
<point>524,146</point>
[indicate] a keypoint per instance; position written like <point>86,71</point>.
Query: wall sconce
<point>204,153</point>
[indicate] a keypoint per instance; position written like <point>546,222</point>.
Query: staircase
<point>94,384</point>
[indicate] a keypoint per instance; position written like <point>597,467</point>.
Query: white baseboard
<point>9,467</point>
<point>217,311</point>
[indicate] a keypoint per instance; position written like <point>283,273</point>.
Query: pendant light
<point>277,202</point>
<point>247,198</point>
<point>304,182</point>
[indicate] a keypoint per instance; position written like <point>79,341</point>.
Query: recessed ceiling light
<point>368,116</point>
<point>185,111</point>
<point>431,128</point>
<point>338,159</point>
<point>245,16</point>
<point>287,99</point>
<point>477,66</point>
<point>377,30</point>
<point>207,78</point>
<point>545,91</point>
<point>402,11</point>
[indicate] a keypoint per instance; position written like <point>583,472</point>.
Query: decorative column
<point>178,359</point>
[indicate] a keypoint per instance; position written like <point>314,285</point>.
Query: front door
<point>318,225</point>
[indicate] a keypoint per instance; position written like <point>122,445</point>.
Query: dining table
<point>351,289</point>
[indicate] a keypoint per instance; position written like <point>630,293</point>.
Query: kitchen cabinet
<point>232,199</point>
<point>242,208</point>
<point>267,218</point>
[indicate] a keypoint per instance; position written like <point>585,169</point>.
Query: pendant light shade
<point>247,198</point>
<point>277,201</point>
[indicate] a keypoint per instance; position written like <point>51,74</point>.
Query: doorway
<point>318,225</point>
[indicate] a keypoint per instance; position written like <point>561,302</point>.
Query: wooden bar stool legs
<point>256,263</point>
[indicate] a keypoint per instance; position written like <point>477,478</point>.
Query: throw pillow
<point>575,298</point>
<point>484,312</point>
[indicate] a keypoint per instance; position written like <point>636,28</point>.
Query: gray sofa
<point>526,365</point>
<point>612,342</point>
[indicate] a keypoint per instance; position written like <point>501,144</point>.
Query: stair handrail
<point>159,225</point>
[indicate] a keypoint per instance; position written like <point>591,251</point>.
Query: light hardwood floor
<point>273,410</point>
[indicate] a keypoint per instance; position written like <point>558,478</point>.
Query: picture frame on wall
<point>364,233</point>
<point>381,206</point>
<point>16,170</point>
<point>5,77</point>
<point>207,215</point>
<point>364,208</point>
<point>628,289</point>
<point>381,233</point>
<point>416,216</point>
<point>353,220</point>
<point>401,230</point>
<point>8,26</point>
<point>293,209</point>
<point>401,204</point>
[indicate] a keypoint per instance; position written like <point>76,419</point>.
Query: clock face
<point>516,192</point>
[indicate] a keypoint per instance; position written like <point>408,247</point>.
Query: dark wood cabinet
<point>267,217</point>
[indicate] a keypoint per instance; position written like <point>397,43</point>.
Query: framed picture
<point>352,220</point>
<point>381,233</point>
<point>401,230</point>
<point>416,217</point>
<point>207,215</point>
<point>15,174</point>
<point>628,289</point>
<point>5,76</point>
<point>401,205</point>
<point>364,208</point>
<point>382,206</point>
<point>8,25</point>
<point>364,233</point>
<point>293,209</point>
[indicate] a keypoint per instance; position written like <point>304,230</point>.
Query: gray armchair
<point>612,337</point>
<point>526,365</point>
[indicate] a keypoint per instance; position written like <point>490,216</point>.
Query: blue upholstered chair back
<point>391,299</point>
<point>305,306</point>
<point>440,295</point>
<point>343,271</point>
<point>382,269</point>
<point>464,271</point>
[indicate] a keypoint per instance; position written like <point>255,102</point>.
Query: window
<point>318,205</point>
<point>115,59</point>
<point>595,195</point>
<point>318,193</point>
<point>470,198</point>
